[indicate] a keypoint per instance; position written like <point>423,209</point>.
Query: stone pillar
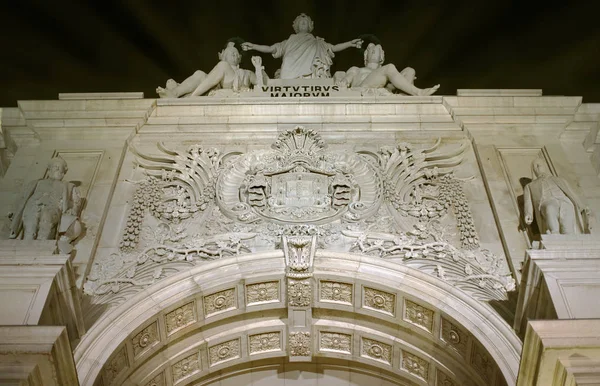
<point>38,287</point>
<point>36,355</point>
<point>560,281</point>
<point>561,352</point>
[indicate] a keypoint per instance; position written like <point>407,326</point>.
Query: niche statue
<point>553,204</point>
<point>48,209</point>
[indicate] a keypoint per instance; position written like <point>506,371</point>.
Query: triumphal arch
<point>309,228</point>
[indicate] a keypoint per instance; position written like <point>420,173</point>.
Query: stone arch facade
<point>366,311</point>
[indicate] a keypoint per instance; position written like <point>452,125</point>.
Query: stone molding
<point>561,352</point>
<point>43,354</point>
<point>554,276</point>
<point>128,319</point>
<point>46,282</point>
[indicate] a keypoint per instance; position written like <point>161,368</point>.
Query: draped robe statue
<point>554,205</point>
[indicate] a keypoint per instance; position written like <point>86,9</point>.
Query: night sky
<point>103,46</point>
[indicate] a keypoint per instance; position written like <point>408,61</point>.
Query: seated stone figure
<point>225,75</point>
<point>48,208</point>
<point>554,205</point>
<point>375,75</point>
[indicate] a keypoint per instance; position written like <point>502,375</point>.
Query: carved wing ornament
<point>402,202</point>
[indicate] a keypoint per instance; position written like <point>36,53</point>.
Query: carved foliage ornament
<point>299,292</point>
<point>145,339</point>
<point>180,317</point>
<point>233,197</point>
<point>266,342</point>
<point>116,365</point>
<point>378,351</point>
<point>299,344</point>
<point>336,342</point>
<point>159,380</point>
<point>224,351</point>
<point>416,366</point>
<point>186,367</point>
<point>219,302</point>
<point>419,315</point>
<point>260,293</point>
<point>380,301</point>
<point>336,292</point>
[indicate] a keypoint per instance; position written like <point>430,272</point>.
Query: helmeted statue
<point>227,74</point>
<point>553,204</point>
<point>48,208</point>
<point>303,55</point>
<point>376,75</point>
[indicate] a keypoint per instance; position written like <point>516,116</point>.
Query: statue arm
<point>17,217</point>
<point>528,203</point>
<point>247,46</point>
<point>351,43</point>
<point>259,77</point>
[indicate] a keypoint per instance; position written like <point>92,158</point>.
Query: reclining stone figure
<point>376,75</point>
<point>225,75</point>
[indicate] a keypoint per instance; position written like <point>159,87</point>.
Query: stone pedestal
<point>561,280</point>
<point>36,355</point>
<point>38,287</point>
<point>561,352</point>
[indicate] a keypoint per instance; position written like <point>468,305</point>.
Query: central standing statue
<point>302,52</point>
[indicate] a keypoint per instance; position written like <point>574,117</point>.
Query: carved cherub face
<point>303,23</point>
<point>230,55</point>
<point>57,168</point>
<point>374,54</point>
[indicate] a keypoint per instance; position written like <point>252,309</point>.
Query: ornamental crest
<point>299,181</point>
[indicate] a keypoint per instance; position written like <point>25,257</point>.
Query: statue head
<point>539,169</point>
<point>303,23</point>
<point>374,54</point>
<point>230,54</point>
<point>57,168</point>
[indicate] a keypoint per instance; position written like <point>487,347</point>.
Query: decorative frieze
<point>380,301</point>
<point>180,317</point>
<point>299,344</point>
<point>186,367</point>
<point>115,366</point>
<point>260,293</point>
<point>159,380</point>
<point>335,342</point>
<point>415,365</point>
<point>299,292</point>
<point>456,337</point>
<point>219,302</point>
<point>145,339</point>
<point>378,351</point>
<point>335,292</point>
<point>418,315</point>
<point>224,351</point>
<point>267,342</point>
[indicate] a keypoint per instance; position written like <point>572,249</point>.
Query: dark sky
<point>108,45</point>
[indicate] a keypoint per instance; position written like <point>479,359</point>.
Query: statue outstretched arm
<point>352,43</point>
<point>247,46</point>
